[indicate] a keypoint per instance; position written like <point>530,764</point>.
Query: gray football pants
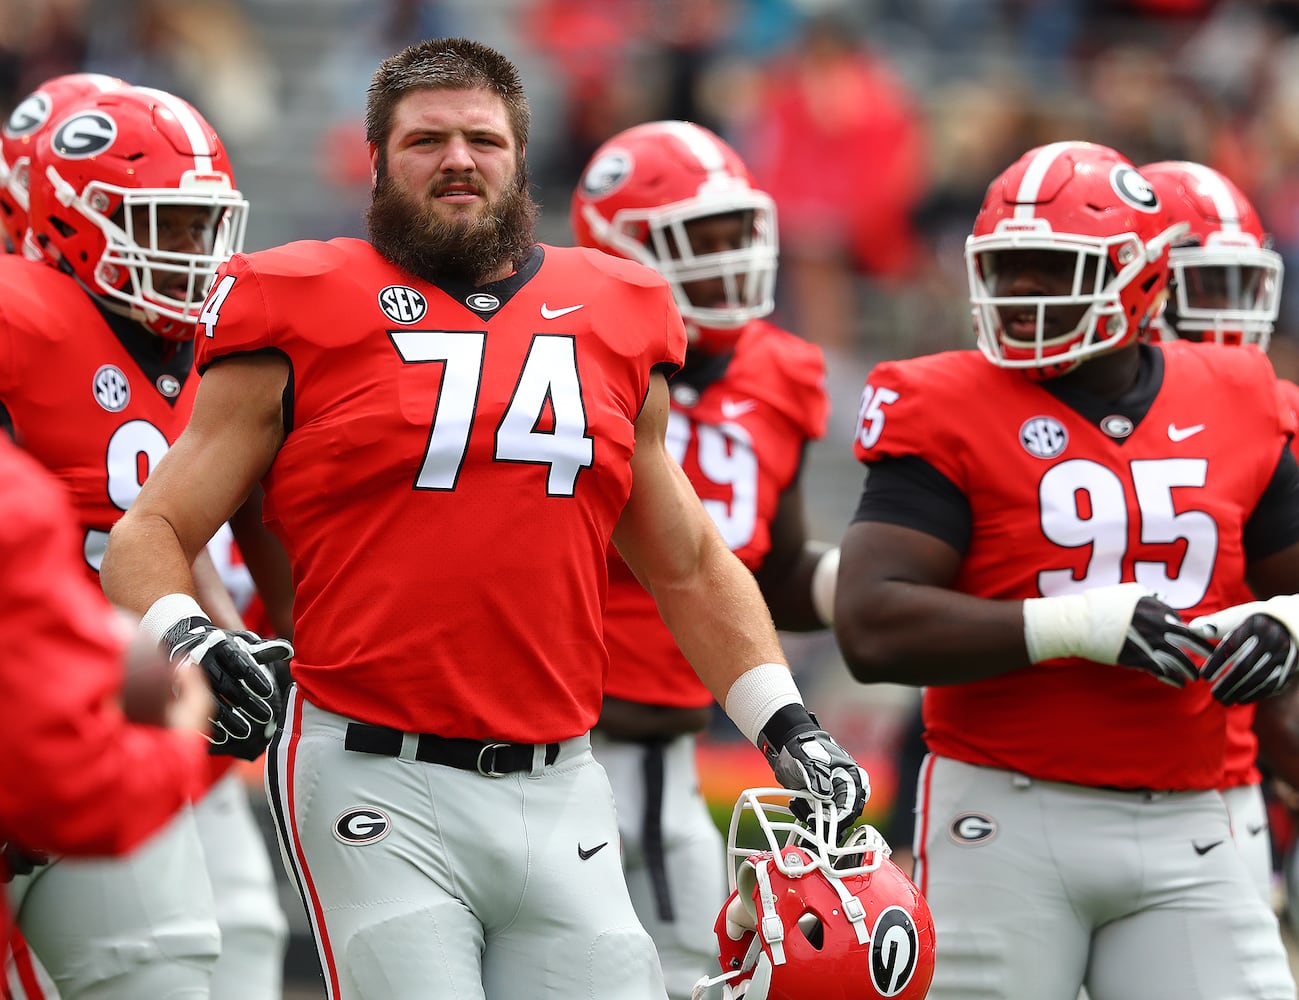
<point>143,925</point>
<point>1038,888</point>
<point>673,855</point>
<point>422,881</point>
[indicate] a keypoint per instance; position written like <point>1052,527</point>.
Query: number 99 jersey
<point>740,441</point>
<point>1157,487</point>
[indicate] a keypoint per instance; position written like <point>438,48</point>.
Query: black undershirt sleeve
<point>1274,523</point>
<point>911,493</point>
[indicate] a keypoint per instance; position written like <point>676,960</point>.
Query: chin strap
<point>769,927</point>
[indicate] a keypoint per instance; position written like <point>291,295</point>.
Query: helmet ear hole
<point>812,928</point>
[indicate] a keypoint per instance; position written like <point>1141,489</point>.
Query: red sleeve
<point>79,778</point>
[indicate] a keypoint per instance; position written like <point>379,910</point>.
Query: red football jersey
<point>454,468</point>
<point>740,442</point>
<point>78,778</point>
<point>89,411</point>
<point>1061,504</point>
<point>1241,766</point>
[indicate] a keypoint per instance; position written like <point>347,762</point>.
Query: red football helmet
<point>1226,280</point>
<point>1089,204</point>
<point>807,918</point>
<point>19,134</point>
<point>107,179</point>
<point>637,195</point>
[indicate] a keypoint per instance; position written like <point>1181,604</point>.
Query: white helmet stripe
<point>194,130</point>
<point>102,81</point>
<point>1031,184</point>
<point>699,143</point>
<point>1224,205</point>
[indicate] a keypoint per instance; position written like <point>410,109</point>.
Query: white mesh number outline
<point>134,440</point>
<point>1105,529</point>
<point>726,458</point>
<point>549,374</point>
<point>870,415</point>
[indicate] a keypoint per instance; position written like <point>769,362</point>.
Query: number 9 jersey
<point>1158,487</point>
<point>95,399</point>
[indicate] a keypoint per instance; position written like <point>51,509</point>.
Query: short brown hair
<point>444,64</point>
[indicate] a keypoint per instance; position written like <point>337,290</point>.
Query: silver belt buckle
<point>490,771</point>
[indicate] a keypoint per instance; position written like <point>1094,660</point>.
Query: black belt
<point>490,759</point>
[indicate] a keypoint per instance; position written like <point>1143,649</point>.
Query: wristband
<point>787,722</point>
<point>824,579</point>
<point>166,611</point>
<point>1092,625</point>
<point>757,695</point>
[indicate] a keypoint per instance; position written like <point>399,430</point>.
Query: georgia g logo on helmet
<point>607,174</point>
<point>85,134</point>
<point>30,115</point>
<point>1134,189</point>
<point>895,950</point>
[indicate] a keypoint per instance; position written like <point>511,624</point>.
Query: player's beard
<point>410,232</point>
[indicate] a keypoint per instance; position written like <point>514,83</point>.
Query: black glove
<point>236,665</point>
<point>1253,661</point>
<point>1123,624</point>
<point>1159,642</point>
<point>1256,648</point>
<point>805,758</point>
<point>255,743</point>
<point>15,860</point>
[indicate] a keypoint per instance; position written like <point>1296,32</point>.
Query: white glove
<point>1123,624</point>
<point>1256,652</point>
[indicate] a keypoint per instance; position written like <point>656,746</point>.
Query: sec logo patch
<point>112,390</point>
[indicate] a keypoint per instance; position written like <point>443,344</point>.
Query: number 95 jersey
<point>1067,493</point>
<point>454,464</point>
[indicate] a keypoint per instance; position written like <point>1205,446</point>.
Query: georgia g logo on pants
<point>362,825</point>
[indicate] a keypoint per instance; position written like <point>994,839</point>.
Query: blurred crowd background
<point>875,124</point>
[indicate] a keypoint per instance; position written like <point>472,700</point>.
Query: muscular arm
<point>706,596</point>
<point>897,621</point>
<point>232,438</point>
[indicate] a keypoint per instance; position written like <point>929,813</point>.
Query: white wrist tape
<point>824,580</point>
<point>1284,609</point>
<point>165,612</point>
<point>757,694</point>
<point>1092,625</point>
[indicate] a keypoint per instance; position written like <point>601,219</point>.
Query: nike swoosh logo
<point>1254,831</point>
<point>1176,433</point>
<point>732,408</point>
<point>588,855</point>
<point>1203,849</point>
<point>548,313</point>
